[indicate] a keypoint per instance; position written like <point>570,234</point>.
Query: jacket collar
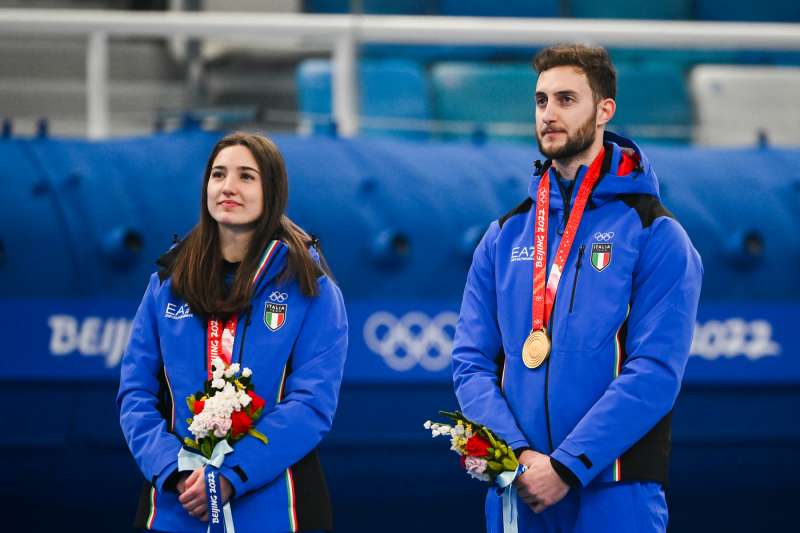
<point>625,170</point>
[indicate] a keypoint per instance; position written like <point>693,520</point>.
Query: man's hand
<point>540,486</point>
<point>193,496</point>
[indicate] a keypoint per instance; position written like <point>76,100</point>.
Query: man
<point>577,317</point>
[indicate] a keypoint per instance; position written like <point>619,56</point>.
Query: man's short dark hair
<point>592,60</point>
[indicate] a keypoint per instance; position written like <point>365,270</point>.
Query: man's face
<point>566,113</point>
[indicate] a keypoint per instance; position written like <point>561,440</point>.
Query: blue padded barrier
<point>389,89</point>
<point>380,188</point>
<point>631,9</point>
<point>96,216</point>
<point>746,10</point>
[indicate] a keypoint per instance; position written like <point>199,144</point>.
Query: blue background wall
<point>81,224</point>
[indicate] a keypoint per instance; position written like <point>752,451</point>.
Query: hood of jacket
<point>622,154</point>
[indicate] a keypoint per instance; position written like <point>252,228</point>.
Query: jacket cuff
<point>566,475</point>
<point>519,444</point>
<point>162,477</point>
<point>518,451</point>
<point>236,477</point>
<point>580,465</point>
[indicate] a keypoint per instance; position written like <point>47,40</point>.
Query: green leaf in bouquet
<point>190,443</point>
<point>206,448</point>
<point>189,421</point>
<point>509,464</point>
<point>494,466</point>
<point>489,435</point>
<point>257,434</point>
<point>190,403</point>
<point>454,416</point>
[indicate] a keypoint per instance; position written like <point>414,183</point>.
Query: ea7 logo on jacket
<point>176,312</point>
<point>601,255</point>
<point>522,253</point>
<point>275,315</point>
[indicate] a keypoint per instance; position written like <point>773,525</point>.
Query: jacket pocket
<point>578,263</point>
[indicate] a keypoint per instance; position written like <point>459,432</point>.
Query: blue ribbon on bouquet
<point>506,482</point>
<point>191,461</point>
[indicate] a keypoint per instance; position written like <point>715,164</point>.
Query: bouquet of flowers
<point>483,454</point>
<point>226,409</point>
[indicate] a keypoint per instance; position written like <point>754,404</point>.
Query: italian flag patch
<point>275,315</point>
<point>601,255</point>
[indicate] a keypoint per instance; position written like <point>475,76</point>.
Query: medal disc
<point>536,349</point>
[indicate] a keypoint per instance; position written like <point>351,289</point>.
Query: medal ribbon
<point>220,341</point>
<point>543,297</point>
<point>221,337</point>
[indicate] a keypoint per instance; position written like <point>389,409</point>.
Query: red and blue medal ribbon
<point>220,341</point>
<point>543,297</point>
<point>221,336</point>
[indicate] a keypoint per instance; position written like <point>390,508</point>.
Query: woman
<point>245,273</point>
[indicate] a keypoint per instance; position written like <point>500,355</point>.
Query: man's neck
<point>568,168</point>
<point>234,242</point>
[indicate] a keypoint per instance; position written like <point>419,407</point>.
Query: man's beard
<point>576,144</point>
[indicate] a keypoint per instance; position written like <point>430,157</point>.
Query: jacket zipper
<point>547,383</point>
<point>565,198</point>
<point>244,334</point>
<point>575,279</point>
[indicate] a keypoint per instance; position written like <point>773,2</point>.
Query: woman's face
<point>234,195</point>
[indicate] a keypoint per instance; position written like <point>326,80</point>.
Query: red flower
<point>477,446</point>
<point>240,423</point>
<point>257,402</point>
<point>198,406</point>
<point>463,460</point>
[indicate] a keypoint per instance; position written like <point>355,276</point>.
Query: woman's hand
<point>193,493</point>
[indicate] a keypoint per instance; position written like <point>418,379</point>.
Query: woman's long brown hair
<point>197,273</point>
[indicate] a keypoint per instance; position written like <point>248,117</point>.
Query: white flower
<point>459,429</point>
<point>246,373</point>
<point>426,425</point>
<point>231,370</point>
<point>218,383</point>
<point>244,399</point>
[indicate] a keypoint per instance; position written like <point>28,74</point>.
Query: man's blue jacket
<point>297,368</point>
<point>621,327</point>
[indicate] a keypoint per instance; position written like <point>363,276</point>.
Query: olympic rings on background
<point>413,339</point>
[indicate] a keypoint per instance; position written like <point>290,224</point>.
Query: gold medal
<point>536,349</point>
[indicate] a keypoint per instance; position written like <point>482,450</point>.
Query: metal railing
<point>342,34</point>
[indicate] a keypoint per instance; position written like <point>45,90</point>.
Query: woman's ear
<point>605,111</point>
